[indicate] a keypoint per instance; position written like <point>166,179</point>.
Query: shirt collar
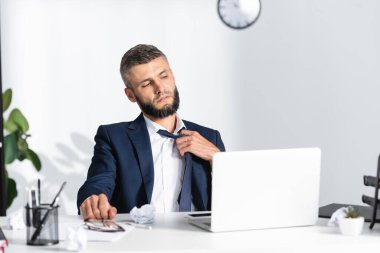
<point>153,127</point>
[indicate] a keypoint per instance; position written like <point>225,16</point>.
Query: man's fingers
<point>83,210</point>
<point>187,132</point>
<point>87,210</point>
<point>184,139</point>
<point>95,206</point>
<point>104,206</point>
<point>188,144</point>
<point>112,212</point>
<point>182,144</point>
<point>196,144</point>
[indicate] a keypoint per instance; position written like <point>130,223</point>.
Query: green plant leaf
<point>33,157</point>
<point>352,213</point>
<point>11,189</point>
<point>10,147</point>
<point>17,121</point>
<point>22,146</point>
<point>7,99</point>
<point>10,126</point>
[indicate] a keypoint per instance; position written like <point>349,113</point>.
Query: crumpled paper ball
<point>336,216</point>
<point>143,215</point>
<point>15,221</point>
<point>76,239</point>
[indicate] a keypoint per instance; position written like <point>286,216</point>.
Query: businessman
<point>158,158</point>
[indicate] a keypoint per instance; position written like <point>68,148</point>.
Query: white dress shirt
<point>169,168</point>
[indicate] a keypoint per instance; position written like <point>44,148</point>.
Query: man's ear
<point>130,94</point>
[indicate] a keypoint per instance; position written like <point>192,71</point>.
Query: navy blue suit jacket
<point>122,166</point>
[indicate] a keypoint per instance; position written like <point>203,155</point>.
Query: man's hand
<point>196,144</point>
<point>97,207</point>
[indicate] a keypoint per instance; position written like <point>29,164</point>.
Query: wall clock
<point>239,14</point>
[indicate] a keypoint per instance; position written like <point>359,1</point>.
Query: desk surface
<point>171,232</point>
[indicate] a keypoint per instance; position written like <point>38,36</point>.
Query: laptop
<point>263,189</point>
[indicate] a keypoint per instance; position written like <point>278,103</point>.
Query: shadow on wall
<point>70,165</point>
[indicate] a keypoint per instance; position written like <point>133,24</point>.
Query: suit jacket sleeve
<point>102,172</point>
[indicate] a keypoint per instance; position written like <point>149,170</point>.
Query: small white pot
<point>349,226</point>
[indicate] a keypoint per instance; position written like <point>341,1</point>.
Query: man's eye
<point>164,76</point>
<point>145,84</point>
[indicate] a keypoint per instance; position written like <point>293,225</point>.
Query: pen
<point>139,225</point>
<point>56,198</point>
<point>44,219</point>
<point>29,193</point>
<point>34,206</point>
<point>27,215</point>
<point>39,191</point>
<point>33,197</point>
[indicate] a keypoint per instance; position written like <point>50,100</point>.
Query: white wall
<point>304,75</point>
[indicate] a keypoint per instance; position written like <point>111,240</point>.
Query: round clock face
<point>239,14</point>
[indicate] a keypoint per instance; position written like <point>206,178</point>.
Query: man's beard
<point>150,109</point>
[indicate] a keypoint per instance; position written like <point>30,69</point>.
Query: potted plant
<point>351,223</point>
<point>16,145</point>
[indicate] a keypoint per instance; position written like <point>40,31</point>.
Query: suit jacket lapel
<point>139,136</point>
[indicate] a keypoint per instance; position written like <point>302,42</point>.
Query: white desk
<point>171,232</point>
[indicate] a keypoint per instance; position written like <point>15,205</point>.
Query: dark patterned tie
<point>184,198</point>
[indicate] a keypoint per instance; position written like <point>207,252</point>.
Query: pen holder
<point>42,225</point>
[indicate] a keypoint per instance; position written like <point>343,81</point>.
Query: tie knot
<point>168,134</point>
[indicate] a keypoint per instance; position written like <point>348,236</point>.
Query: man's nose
<point>159,87</point>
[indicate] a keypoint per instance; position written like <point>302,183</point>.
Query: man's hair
<point>139,54</point>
